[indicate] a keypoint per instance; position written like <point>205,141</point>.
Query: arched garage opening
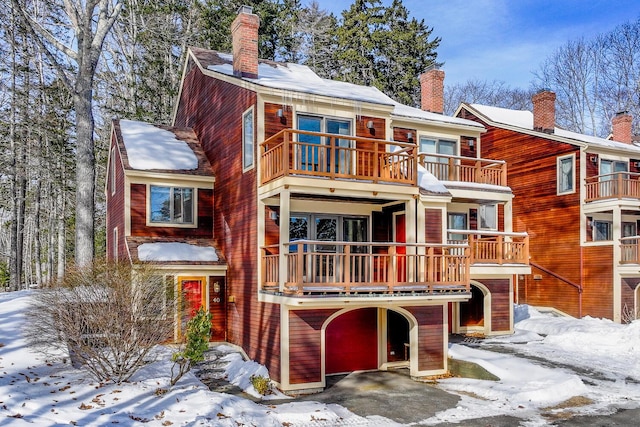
<point>351,341</point>
<point>365,339</point>
<point>472,311</point>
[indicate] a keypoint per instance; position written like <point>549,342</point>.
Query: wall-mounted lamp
<point>280,115</point>
<point>472,143</point>
<point>273,215</point>
<point>410,136</point>
<point>594,159</point>
<point>370,124</point>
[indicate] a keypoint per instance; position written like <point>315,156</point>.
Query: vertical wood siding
<point>116,206</point>
<point>433,225</point>
<point>217,308</point>
<point>500,304</point>
<point>274,124</point>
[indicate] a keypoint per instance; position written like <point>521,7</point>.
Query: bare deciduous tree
<point>107,316</point>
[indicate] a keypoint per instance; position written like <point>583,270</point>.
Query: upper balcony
<point>323,155</point>
<point>630,250</point>
<point>618,185</point>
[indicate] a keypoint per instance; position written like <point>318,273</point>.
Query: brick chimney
<point>432,90</point>
<point>621,124</point>
<point>244,34</point>
<point>544,111</point>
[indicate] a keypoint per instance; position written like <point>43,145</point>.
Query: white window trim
<point>246,167</point>
<point>150,223</point>
<point>559,160</point>
<point>112,170</point>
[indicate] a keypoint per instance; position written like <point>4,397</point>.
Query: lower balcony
<point>488,247</point>
<point>321,268</point>
<point>630,250</point>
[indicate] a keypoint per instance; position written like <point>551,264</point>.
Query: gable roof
<point>522,120</point>
<point>290,77</point>
<point>155,148</point>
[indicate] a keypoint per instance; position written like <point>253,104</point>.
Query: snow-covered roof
<point>524,119</point>
<point>175,251</point>
<point>150,147</point>
<point>300,78</point>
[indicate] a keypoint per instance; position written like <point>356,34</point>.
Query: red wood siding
<point>352,341</point>
<point>500,304</point>
<point>305,356</point>
<point>274,124</point>
<point>628,301</point>
<point>430,336</point>
<point>139,216</point>
<point>378,131</point>
<point>115,206</point>
<point>433,225</point>
<point>214,109</point>
<point>400,134</point>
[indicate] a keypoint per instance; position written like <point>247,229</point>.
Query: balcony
<point>493,247</point>
<point>619,185</point>
<point>465,169</point>
<point>630,250</point>
<point>323,155</point>
<point>321,268</point>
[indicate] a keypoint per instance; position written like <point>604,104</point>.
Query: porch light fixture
<point>370,124</point>
<point>280,113</point>
<point>594,159</point>
<point>471,143</point>
<point>410,136</point>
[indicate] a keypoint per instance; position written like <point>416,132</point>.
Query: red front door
<point>193,292</point>
<point>400,236</point>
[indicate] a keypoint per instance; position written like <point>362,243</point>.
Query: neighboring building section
<point>578,198</point>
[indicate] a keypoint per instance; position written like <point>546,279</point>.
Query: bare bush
<point>108,316</point>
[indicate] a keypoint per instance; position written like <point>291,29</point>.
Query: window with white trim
<point>488,217</point>
<point>566,174</point>
<point>171,205</point>
<point>248,139</point>
<point>602,230</point>
<point>112,171</point>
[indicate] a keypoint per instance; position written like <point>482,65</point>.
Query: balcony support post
<point>283,217</point>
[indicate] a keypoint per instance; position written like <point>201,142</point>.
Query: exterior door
<point>400,236</point>
<point>351,342</point>
<point>217,308</point>
<point>193,294</point>
<point>325,229</point>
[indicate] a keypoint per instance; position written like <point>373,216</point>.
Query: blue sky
<point>506,40</point>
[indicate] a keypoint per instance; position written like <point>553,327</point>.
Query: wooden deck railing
<point>465,169</point>
<point>296,152</point>
<point>630,250</point>
<point>493,247</point>
<point>342,268</point>
<point>619,185</point>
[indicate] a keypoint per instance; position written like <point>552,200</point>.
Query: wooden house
<point>578,198</point>
<point>356,233</point>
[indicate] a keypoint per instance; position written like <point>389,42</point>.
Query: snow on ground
<point>593,360</point>
<point>51,393</point>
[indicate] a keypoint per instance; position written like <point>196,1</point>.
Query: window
<point>315,151</point>
<point>488,217</point>
<point>602,230</point>
<point>173,205</point>
<point>628,229</point>
<point>112,171</point>
<point>437,165</point>
<point>610,167</point>
<point>248,139</point>
<point>457,221</point>
<point>330,228</point>
<point>566,174</point>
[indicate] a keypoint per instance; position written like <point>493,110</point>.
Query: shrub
<point>197,342</point>
<point>261,384</point>
<point>108,316</point>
